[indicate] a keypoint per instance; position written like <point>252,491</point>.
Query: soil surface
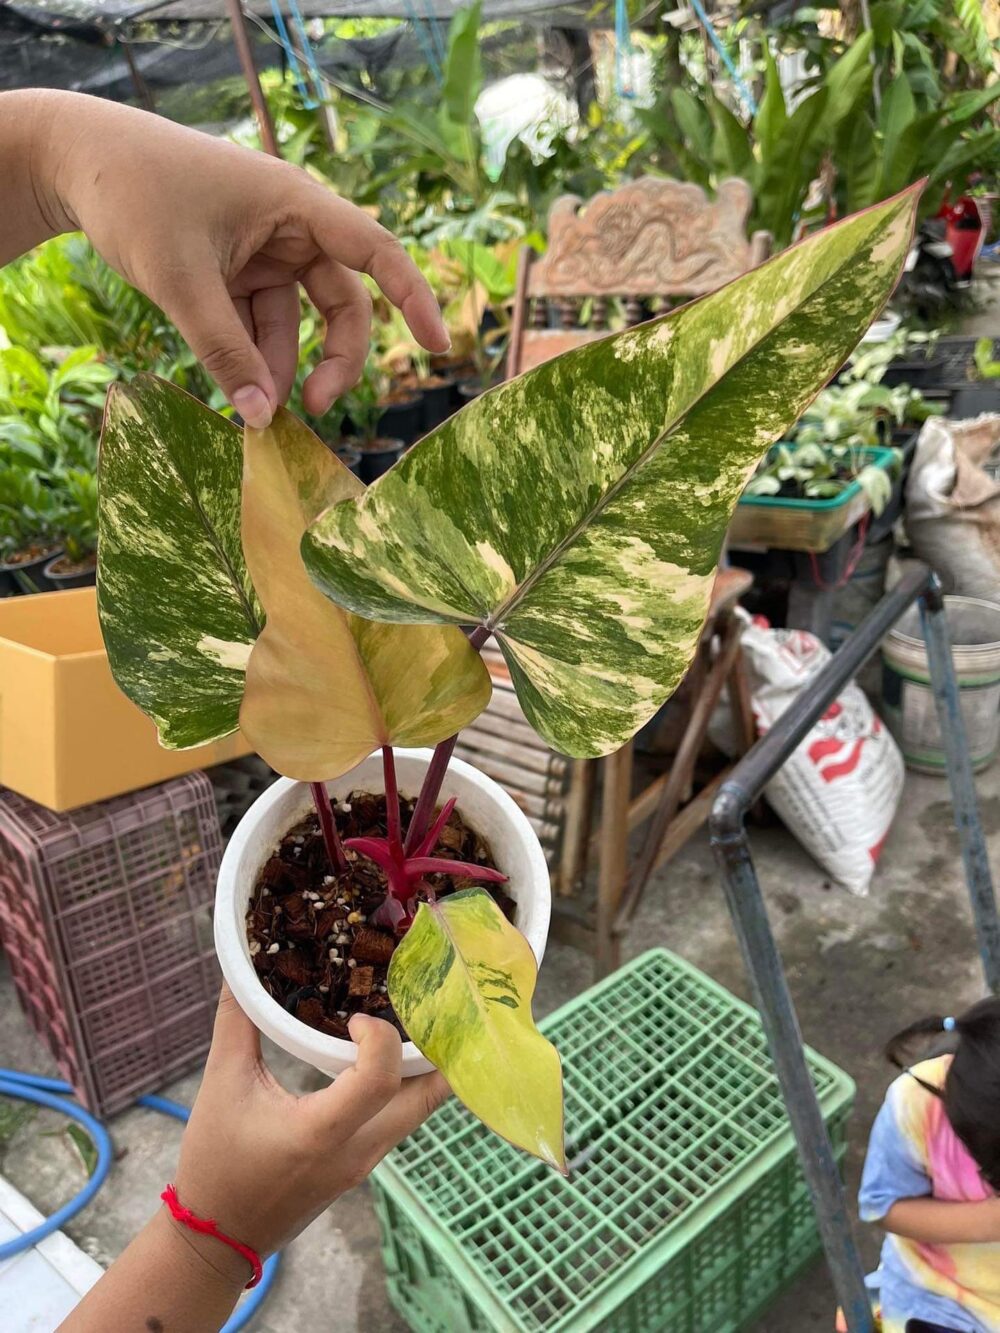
<point>35,551</point>
<point>66,566</point>
<point>413,385</point>
<point>400,396</point>
<point>312,940</point>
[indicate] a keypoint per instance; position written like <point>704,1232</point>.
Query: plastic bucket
<point>908,702</point>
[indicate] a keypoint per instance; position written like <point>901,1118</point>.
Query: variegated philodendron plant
<point>577,513</point>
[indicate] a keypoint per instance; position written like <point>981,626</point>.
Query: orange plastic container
<point>68,736</point>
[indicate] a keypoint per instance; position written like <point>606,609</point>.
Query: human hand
<point>262,1162</point>
<point>221,237</point>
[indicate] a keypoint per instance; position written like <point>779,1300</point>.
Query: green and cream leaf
<point>461,981</point>
<point>579,510</point>
<point>178,611</point>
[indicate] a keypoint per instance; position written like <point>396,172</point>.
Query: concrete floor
<point>858,968</point>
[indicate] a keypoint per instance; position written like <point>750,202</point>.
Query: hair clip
<point>949,1025</point>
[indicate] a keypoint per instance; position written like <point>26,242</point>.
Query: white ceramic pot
<point>483,805</point>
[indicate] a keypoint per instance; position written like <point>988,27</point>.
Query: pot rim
<point>50,573</point>
<point>532,917</point>
<point>47,558</point>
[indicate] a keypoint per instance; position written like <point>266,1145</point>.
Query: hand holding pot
<point>263,1162</point>
<point>219,236</point>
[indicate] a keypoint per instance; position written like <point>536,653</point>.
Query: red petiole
<point>405,873</point>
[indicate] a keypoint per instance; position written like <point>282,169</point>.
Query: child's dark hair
<point>971,1092</point>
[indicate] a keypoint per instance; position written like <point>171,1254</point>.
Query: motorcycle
<point>938,267</point>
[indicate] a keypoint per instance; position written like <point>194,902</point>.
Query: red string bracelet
<point>205,1226</point>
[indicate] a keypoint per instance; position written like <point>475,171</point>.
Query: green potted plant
<point>983,393</point>
<point>76,567</point>
<point>29,524</point>
<point>830,473</point>
<point>577,514</point>
<point>409,365</point>
<point>373,423</point>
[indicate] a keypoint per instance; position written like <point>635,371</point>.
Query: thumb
<point>201,307</point>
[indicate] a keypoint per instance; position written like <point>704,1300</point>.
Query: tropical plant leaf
<point>858,162</point>
<point>849,79</point>
<point>695,125</point>
<point>463,73</point>
<point>972,16</point>
<point>772,115</point>
<point>783,183</point>
<point>178,611</point>
<point>325,688</point>
<point>579,510</point>
<point>461,981</point>
<point>969,104</point>
<point>898,123</point>
<point>732,146</point>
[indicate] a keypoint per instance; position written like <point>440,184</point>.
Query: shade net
<point>79,44</point>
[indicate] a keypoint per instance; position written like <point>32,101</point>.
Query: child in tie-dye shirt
<point>932,1177</point>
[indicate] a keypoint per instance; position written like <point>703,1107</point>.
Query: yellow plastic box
<point>68,735</point>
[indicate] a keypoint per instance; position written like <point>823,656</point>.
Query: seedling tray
<point>685,1208</point>
<point>952,364</point>
<point>802,525</point>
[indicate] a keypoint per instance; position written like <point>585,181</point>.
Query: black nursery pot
<point>378,457</point>
<point>437,406</point>
<point>83,578</point>
<point>468,390</point>
<point>402,421</point>
<point>29,575</point>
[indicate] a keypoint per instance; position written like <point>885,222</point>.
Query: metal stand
<point>746,903</point>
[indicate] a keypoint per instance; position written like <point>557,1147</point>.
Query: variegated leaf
<point>324,688</point>
<point>461,981</point>
<point>580,509</point>
<point>178,611</point>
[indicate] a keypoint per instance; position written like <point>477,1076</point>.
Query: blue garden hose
<point>52,1092</point>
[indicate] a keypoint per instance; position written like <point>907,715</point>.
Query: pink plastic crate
<point>105,915</point>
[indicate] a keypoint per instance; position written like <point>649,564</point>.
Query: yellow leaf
<point>324,688</point>
<point>461,981</point>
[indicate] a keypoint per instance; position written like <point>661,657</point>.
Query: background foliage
<point>845,116</point>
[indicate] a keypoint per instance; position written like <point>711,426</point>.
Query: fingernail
<point>253,405</point>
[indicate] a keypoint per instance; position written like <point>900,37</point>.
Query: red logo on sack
<point>843,752</point>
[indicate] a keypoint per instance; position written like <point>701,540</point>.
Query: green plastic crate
<point>685,1210</point>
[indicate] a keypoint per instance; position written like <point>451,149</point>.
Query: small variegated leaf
<point>461,982</point>
<point>324,688</point>
<point>178,611</point>
<point>579,510</point>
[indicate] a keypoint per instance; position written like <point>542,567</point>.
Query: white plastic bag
<point>838,791</point>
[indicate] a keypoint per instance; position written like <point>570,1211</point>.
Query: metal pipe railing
<point>746,902</point>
